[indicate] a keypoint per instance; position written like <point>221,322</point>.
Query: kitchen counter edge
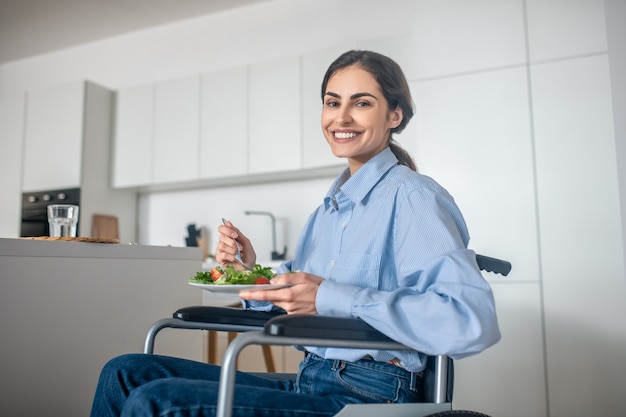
<point>56,248</point>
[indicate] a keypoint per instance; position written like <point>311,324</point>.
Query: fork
<point>238,254</point>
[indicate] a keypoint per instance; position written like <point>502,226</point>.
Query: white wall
<point>165,216</point>
<point>518,105</point>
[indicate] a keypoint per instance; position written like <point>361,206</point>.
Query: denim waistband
<point>389,367</point>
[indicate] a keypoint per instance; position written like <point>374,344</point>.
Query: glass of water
<point>62,219</point>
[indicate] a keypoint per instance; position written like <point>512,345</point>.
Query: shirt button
<point>344,224</point>
<point>332,263</point>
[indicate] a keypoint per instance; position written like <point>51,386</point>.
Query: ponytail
<point>404,158</point>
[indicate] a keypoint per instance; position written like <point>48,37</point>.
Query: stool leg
<point>212,347</point>
<point>269,358</point>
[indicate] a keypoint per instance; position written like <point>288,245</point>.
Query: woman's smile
<point>344,136</point>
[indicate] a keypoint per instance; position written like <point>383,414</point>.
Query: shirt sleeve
<point>442,304</point>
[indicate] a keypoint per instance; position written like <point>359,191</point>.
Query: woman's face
<point>356,118</point>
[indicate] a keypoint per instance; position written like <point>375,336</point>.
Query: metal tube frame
<point>229,365</point>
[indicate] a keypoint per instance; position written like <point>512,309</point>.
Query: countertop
<point>53,248</point>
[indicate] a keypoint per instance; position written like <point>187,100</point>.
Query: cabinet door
<point>53,138</point>
<point>11,125</point>
<point>132,157</point>
<point>508,378</point>
<point>224,124</point>
<point>275,133</point>
<point>176,134</point>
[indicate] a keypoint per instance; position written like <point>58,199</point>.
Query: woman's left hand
<point>298,298</point>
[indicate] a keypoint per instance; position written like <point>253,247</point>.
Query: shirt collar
<point>357,186</point>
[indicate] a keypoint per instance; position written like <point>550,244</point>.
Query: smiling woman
<point>386,244</point>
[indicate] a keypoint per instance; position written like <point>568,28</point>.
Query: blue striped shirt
<point>392,247</point>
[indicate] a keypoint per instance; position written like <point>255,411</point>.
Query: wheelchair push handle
<point>497,266</point>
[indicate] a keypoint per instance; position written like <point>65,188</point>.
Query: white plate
<point>233,290</point>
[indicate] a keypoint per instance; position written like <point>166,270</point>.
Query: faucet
<point>275,255</point>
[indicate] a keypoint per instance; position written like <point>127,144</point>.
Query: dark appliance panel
<point>35,209</point>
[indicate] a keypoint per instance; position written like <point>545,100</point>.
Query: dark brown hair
<point>393,84</point>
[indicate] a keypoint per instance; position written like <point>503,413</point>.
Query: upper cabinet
<point>134,129</point>
<point>274,103</point>
<point>176,130</point>
<point>11,126</point>
<point>53,137</point>
<point>224,124</point>
<point>157,133</point>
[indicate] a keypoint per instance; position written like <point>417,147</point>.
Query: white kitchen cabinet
<point>581,29</point>
<point>53,137</point>
<point>134,133</point>
<point>274,103</point>
<point>176,130</point>
<point>67,144</point>
<point>484,162</point>
<point>224,124</point>
<point>514,367</point>
<point>582,245</point>
<point>465,36</point>
<point>11,128</point>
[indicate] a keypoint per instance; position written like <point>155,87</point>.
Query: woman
<point>387,245</point>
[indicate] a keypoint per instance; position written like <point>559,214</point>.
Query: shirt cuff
<point>335,299</point>
<point>256,305</point>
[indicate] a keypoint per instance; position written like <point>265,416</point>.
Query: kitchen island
<point>68,307</point>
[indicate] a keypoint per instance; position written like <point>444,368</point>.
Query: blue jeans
<point>152,385</point>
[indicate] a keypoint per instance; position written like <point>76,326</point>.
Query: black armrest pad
<point>225,315</point>
<point>313,326</point>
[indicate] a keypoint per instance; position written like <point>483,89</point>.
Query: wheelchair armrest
<point>316,327</point>
<point>225,315</point>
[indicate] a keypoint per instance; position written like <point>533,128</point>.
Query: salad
<point>231,276</point>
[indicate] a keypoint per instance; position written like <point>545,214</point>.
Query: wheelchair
<point>279,329</point>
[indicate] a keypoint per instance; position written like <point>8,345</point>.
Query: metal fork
<point>238,254</point>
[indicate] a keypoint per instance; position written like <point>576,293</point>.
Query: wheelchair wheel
<point>455,413</point>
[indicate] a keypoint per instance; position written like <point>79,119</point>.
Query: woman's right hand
<point>231,239</point>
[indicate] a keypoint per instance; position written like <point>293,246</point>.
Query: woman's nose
<point>344,117</point>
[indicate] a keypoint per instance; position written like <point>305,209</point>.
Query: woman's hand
<point>230,240</point>
<point>298,298</point>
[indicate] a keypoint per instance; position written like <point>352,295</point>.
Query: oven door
<point>34,229</point>
<point>35,209</point>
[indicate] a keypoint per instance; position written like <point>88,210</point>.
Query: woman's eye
<point>332,103</point>
<point>362,104</point>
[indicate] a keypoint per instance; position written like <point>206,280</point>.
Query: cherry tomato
<point>215,274</point>
<point>261,280</point>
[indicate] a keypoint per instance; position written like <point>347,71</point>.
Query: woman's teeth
<point>344,135</point>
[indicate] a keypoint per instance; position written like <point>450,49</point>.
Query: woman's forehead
<point>351,80</point>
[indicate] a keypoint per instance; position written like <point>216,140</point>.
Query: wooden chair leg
<point>212,347</point>
<point>269,358</point>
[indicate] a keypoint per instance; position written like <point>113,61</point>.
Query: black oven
<point>35,209</point>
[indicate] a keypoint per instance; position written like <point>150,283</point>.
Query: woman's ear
<point>396,117</point>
